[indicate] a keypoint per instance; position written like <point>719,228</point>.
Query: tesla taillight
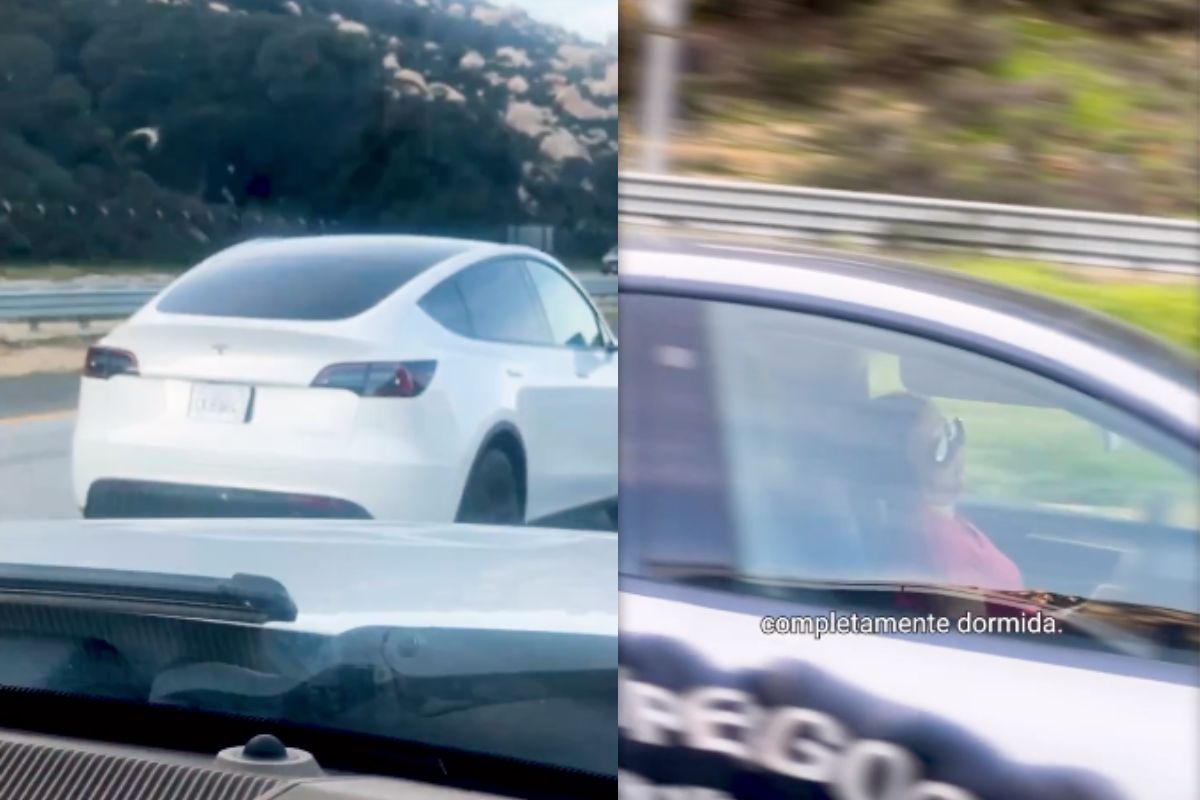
<point>105,362</point>
<point>379,378</point>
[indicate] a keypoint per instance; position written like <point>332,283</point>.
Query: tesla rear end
<point>257,385</point>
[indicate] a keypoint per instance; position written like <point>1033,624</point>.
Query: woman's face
<point>942,481</point>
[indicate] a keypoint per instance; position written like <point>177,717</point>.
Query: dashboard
<point>36,767</point>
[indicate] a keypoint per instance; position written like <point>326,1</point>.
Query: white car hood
<point>345,575</point>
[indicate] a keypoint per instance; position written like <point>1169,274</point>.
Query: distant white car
<point>390,377</point>
<point>608,265</point>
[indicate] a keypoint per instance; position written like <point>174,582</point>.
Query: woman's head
<point>918,447</point>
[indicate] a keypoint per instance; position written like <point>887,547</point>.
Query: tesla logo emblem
<point>220,348</point>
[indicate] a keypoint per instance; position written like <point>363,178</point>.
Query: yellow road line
<point>41,417</point>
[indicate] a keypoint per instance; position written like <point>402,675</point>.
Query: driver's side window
<point>936,464</point>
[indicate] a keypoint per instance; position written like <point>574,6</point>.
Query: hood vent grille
<point>41,772</point>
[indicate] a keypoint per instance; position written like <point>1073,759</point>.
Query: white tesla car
<point>385,377</point>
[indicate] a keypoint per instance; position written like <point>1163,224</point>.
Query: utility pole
<point>660,79</point>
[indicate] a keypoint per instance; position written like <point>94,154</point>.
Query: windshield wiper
<point>240,598</point>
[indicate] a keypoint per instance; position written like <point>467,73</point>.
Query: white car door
<point>584,430</point>
<point>533,374</point>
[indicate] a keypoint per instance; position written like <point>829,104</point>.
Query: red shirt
<point>959,554</point>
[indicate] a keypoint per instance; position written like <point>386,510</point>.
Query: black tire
<point>492,495</point>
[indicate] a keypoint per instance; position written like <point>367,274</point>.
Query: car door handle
<point>513,372</point>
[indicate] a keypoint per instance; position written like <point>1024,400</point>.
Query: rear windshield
<point>298,285</point>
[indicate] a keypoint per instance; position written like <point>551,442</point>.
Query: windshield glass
<point>300,282</point>
<point>270,307</point>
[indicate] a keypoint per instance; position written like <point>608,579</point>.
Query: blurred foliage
<point>1120,15</point>
<point>905,39</point>
<point>799,76</point>
<point>1169,308</point>
<point>158,130</point>
<point>1089,104</point>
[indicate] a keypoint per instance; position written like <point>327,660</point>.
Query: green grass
<point>1049,456</point>
<point>1036,30</point>
<point>1099,102</point>
<point>1031,456</point>
<point>1170,310</point>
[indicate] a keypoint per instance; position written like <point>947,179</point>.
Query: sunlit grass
<point>1099,101</point>
<point>1167,308</point>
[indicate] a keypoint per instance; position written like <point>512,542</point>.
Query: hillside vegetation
<point>160,129</point>
<point>1089,104</point>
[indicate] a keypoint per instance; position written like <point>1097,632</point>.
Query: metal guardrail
<point>72,304</point>
<point>880,220</point>
<point>824,215</point>
<point>96,304</point>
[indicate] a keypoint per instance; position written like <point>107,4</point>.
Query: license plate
<point>216,402</point>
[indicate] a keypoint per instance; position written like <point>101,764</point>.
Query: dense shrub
<point>798,75</point>
<point>1129,16</point>
<point>903,39</point>
<point>1147,15</point>
<point>975,101</point>
<point>772,9</point>
<point>967,98</point>
<point>152,130</point>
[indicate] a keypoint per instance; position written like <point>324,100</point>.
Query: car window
<point>572,321</point>
<point>672,471</point>
<point>502,303</point>
<point>829,469</point>
<point>446,304</point>
<point>1053,458</point>
<point>297,284</point>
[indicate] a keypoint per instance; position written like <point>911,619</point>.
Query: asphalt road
<point>37,394</point>
<point>36,415</point>
<point>35,479</point>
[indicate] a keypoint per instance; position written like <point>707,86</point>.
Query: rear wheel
<point>492,496</point>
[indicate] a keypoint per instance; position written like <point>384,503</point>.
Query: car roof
<point>1080,323</point>
<point>415,249</point>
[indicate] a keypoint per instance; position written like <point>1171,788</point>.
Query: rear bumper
<point>123,499</point>
<point>389,475</point>
<point>317,443</point>
<point>382,482</point>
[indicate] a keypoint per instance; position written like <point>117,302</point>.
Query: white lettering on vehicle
<point>800,743</point>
